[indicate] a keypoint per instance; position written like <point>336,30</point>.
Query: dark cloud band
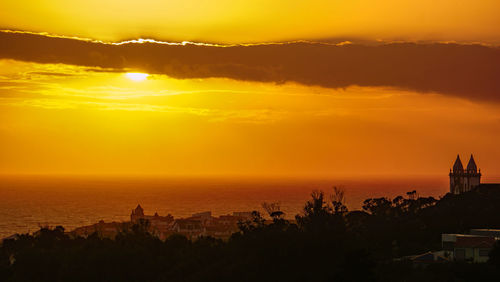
<point>468,71</point>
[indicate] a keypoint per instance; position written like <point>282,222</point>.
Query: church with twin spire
<point>463,180</point>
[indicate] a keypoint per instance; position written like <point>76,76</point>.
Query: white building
<point>469,248</point>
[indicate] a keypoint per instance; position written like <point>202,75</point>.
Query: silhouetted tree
<point>273,210</point>
<point>338,201</point>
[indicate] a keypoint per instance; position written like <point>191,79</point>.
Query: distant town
<point>197,225</point>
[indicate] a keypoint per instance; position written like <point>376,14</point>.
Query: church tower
<point>464,180</point>
<point>137,214</point>
<point>472,174</point>
<point>456,177</point>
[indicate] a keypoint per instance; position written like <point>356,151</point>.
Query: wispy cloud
<point>211,115</point>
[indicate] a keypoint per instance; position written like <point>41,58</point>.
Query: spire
<point>458,167</point>
<point>471,166</point>
<point>139,210</point>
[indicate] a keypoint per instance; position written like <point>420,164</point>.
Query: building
<point>158,225</point>
<point>246,215</point>
<point>191,228</point>
<point>469,248</point>
<point>464,180</point>
<point>102,229</point>
<point>205,217</point>
<point>486,232</point>
<point>137,214</point>
<point>198,225</point>
<point>195,226</point>
<point>224,226</point>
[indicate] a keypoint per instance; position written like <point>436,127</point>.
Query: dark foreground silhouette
<point>325,243</point>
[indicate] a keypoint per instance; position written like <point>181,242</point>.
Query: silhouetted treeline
<point>324,243</point>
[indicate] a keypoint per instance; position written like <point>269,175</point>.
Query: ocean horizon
<point>29,202</point>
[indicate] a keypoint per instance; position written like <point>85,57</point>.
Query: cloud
<point>467,71</point>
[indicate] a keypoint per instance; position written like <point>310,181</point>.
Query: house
<point>469,248</point>
<point>102,229</point>
<point>204,217</point>
<point>191,228</point>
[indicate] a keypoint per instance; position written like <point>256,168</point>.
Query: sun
<point>136,76</point>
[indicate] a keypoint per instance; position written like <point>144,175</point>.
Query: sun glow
<point>136,76</point>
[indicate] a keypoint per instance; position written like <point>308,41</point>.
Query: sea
<point>29,202</point>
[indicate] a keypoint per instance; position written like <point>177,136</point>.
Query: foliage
<point>325,242</point>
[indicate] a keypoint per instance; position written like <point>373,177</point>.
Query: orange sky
<point>98,122</point>
<point>258,20</point>
<point>286,112</point>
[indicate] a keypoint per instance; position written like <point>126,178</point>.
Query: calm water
<point>26,203</point>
